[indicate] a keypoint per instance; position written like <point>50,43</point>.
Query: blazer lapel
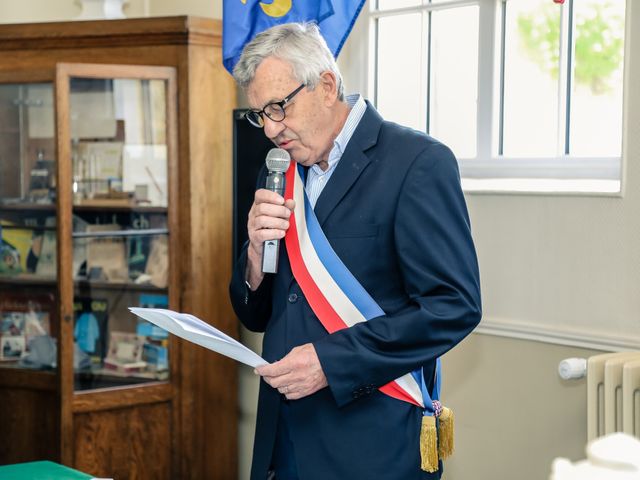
<point>351,165</point>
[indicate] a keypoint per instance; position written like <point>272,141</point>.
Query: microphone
<point>277,161</point>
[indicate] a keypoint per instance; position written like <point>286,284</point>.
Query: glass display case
<point>115,192</point>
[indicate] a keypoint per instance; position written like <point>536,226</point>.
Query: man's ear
<point>329,85</point>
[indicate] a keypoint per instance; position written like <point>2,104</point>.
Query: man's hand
<point>297,375</point>
<point>268,220</point>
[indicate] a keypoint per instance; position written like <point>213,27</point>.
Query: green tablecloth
<point>40,471</point>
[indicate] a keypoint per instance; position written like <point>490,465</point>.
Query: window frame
<point>489,170</point>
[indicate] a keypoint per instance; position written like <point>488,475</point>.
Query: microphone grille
<point>278,160</point>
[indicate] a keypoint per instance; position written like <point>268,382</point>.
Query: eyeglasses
<point>275,110</point>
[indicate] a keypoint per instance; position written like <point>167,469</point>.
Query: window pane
<point>399,91</point>
<point>596,103</point>
<point>532,36</point>
<point>454,79</point>
<point>388,4</point>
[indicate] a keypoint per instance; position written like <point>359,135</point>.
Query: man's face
<point>306,130</point>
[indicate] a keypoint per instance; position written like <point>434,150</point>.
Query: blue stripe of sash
<point>338,271</point>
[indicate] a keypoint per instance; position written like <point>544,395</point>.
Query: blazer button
<point>293,298</point>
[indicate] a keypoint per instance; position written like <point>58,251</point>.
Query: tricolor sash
<point>340,301</point>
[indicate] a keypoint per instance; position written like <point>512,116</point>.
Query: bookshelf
<point>115,191</point>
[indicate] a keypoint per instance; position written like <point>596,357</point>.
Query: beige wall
<point>569,263</point>
<point>201,8</point>
<point>12,11</point>
<point>513,413</point>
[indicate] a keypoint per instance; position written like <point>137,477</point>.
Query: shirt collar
<point>357,107</point>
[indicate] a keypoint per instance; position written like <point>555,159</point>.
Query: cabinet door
<point>118,233</point>
<point>28,292</point>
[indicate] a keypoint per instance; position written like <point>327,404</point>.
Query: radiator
<point>613,394</point>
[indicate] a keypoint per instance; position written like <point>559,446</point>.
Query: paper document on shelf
<point>191,328</point>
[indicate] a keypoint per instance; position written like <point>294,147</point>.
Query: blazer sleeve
<point>253,308</point>
<point>438,264</point>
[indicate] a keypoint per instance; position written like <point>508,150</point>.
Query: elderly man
<point>389,202</point>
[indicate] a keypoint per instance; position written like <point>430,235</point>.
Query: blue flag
<point>244,19</point>
<point>336,28</point>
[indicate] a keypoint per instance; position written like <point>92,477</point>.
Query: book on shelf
<point>43,306</point>
<point>15,247</point>
<point>24,317</point>
<point>111,364</point>
<point>12,347</point>
<point>157,267</point>
<point>125,353</point>
<point>90,329</point>
<point>79,247</point>
<point>46,262</point>
<point>27,248</point>
<point>106,256</point>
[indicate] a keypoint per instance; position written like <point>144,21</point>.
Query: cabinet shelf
<point>122,233</point>
<point>13,207</point>
<point>34,280</point>
<point>20,207</point>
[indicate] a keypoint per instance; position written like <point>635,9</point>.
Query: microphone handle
<point>271,248</point>
<point>275,182</point>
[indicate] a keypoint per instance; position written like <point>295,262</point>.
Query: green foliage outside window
<point>598,37</point>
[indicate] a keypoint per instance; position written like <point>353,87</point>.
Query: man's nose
<point>272,129</point>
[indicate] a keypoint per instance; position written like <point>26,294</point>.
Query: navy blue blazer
<point>395,214</point>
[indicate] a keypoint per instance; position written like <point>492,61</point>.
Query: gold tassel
<point>445,433</point>
<point>429,444</point>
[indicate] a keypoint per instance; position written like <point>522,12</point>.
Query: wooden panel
<point>108,399</point>
<point>206,194</point>
<point>47,59</point>
<point>135,31</point>
<point>29,429</point>
<point>64,252</point>
<point>29,379</point>
<point>129,443</point>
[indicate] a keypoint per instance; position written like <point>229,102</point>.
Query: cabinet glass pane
<point>28,301</point>
<point>120,229</point>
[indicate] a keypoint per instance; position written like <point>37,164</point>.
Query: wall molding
<point>523,331</point>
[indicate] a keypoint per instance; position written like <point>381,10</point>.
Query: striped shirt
<point>318,178</point>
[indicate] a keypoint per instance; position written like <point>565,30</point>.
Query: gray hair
<point>299,44</point>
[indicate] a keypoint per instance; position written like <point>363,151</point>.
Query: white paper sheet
<point>191,328</point>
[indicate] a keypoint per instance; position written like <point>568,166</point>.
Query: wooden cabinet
<point>115,191</point>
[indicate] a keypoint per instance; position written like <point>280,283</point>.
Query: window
<point>527,93</point>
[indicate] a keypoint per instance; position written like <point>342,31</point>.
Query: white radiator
<point>613,394</point>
